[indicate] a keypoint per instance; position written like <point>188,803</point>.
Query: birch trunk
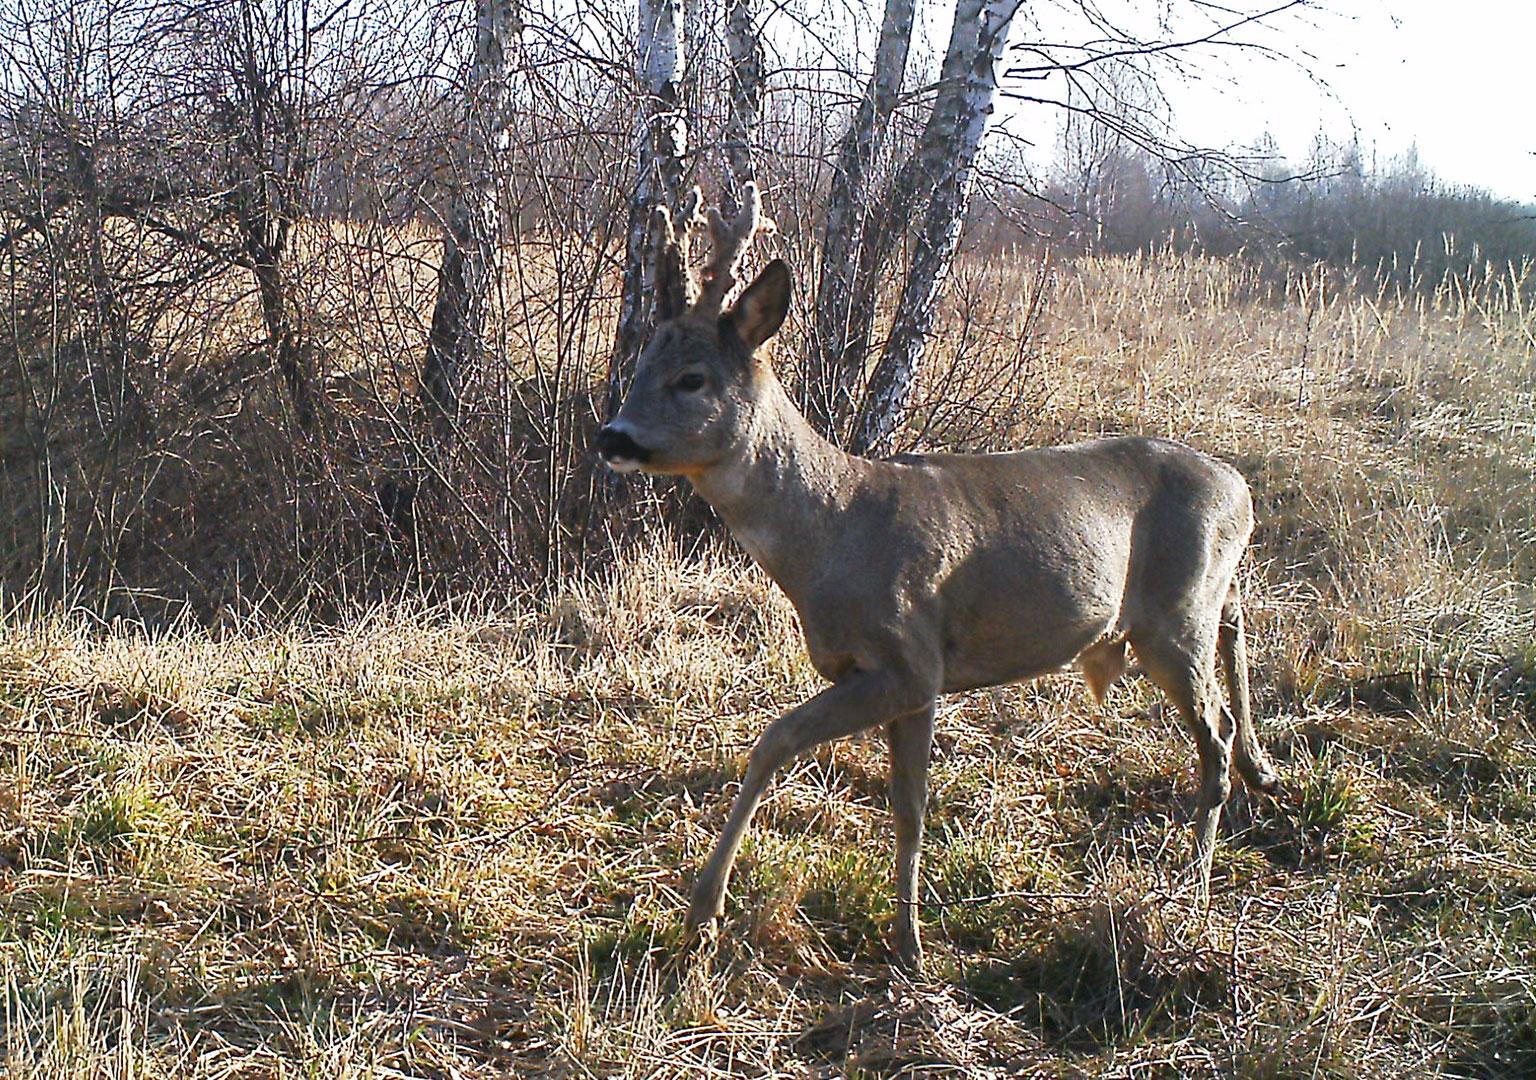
<point>661,141</point>
<point>471,237</point>
<point>846,292</point>
<point>744,46</point>
<point>945,164</point>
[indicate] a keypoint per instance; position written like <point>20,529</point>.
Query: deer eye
<point>690,382</point>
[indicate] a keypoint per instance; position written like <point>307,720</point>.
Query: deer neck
<point>781,491</point>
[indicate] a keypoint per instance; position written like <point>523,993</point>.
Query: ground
<point>456,840</point>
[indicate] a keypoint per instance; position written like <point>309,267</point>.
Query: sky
<point>1454,78</point>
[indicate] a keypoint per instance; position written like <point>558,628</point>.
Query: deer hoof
<point>701,931</point>
<point>909,959</point>
<point>1263,781</point>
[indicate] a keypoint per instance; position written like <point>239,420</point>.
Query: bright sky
<point>1456,78</point>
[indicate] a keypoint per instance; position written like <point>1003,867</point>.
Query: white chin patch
<point>622,464</point>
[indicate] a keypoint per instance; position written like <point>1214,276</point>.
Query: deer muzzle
<point>618,448</point>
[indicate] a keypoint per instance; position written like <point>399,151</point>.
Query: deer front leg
<point>860,700</point>
<point>911,740</point>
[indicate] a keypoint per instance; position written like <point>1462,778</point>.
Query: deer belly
<point>999,659</point>
<point>1017,634</point>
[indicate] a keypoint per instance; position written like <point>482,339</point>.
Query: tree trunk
<point>285,337</point>
<point>264,211</point>
<point>661,141</point>
<point>945,164</point>
<point>744,45</point>
<point>845,298</point>
<point>256,74</point>
<point>472,232</point>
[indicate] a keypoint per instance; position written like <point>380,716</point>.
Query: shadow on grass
<point>1103,976</point>
<point>1084,982</point>
<point>646,795</point>
<point>900,1030</point>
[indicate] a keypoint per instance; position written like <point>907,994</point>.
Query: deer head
<point>698,379</point>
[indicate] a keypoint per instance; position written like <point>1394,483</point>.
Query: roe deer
<point>931,573</point>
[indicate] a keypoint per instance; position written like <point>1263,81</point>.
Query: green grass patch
<point>628,941</point>
<point>848,902</point>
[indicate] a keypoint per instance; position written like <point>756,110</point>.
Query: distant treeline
<point>1394,219</point>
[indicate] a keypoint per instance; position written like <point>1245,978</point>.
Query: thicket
<point>221,226</point>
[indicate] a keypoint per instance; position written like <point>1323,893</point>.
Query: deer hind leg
<point>1253,764</point>
<point>911,740</point>
<point>1183,667</point>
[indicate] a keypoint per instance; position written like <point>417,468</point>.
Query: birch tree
<point>744,47</point>
<point>929,192</point>
<point>846,292</point>
<point>472,229</point>
<point>661,143</point>
<point>945,165</point>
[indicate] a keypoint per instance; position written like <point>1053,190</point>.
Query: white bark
<point>661,142</point>
<point>845,295</point>
<point>744,46</point>
<point>471,237</point>
<point>946,161</point>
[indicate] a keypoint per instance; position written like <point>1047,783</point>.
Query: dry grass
<point>443,843</point>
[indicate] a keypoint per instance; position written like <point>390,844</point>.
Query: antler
<point>672,242</point>
<point>729,241</point>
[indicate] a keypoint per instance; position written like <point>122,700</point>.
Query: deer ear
<point>760,311</point>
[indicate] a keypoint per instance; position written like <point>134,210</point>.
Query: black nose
<point>617,445</point>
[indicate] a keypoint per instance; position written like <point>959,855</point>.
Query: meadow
<point>454,839</point>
